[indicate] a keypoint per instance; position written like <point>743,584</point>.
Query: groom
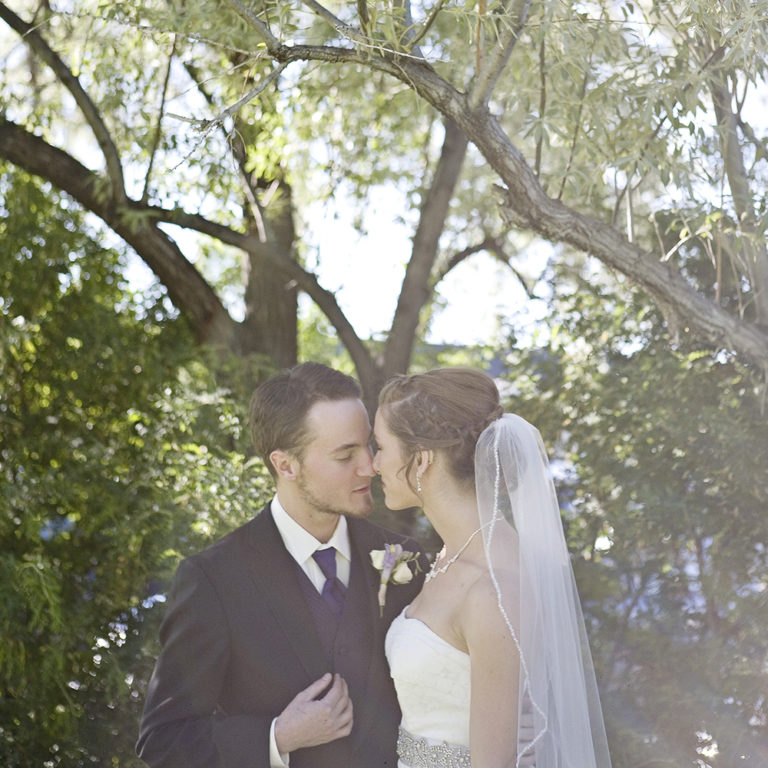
<point>273,654</point>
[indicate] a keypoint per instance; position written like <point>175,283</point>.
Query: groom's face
<point>336,466</point>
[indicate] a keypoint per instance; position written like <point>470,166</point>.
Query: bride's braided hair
<point>445,409</point>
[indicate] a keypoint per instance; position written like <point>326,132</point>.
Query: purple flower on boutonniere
<point>393,562</point>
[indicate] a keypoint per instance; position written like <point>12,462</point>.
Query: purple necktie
<point>333,590</point>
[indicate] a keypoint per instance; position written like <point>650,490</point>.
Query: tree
<point>615,106</point>
<point>257,201</point>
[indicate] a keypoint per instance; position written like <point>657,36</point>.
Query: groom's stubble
<point>324,507</point>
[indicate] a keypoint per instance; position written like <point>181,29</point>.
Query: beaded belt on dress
<point>419,753</point>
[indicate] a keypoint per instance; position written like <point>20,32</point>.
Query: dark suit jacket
<point>239,642</point>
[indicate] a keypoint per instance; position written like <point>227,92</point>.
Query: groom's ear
<point>285,464</point>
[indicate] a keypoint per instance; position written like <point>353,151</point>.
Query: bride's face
<point>389,462</point>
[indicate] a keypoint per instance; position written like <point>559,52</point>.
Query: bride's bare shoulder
<point>494,586</point>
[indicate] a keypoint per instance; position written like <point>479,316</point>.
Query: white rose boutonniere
<point>393,562</point>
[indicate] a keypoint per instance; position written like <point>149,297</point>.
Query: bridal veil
<point>560,722</point>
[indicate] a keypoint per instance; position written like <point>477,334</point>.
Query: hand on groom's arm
<point>320,713</point>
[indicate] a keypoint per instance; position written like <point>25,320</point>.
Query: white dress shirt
<point>301,545</point>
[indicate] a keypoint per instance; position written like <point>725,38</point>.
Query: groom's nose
<point>366,465</point>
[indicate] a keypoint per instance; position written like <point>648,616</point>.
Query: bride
<point>490,659</point>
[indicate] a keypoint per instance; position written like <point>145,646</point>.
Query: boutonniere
<point>393,562</point>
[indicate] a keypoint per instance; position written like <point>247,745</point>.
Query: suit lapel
<point>362,544</point>
<point>275,575</point>
<point>276,578</point>
<point>364,580</point>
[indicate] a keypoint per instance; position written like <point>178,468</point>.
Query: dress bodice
<point>432,680</point>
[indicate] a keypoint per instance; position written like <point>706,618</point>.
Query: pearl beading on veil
<point>525,678</point>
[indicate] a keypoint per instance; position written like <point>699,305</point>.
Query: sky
<point>366,273</point>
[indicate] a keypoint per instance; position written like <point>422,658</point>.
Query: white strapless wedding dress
<point>432,680</point>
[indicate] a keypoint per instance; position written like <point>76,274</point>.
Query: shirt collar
<point>300,543</point>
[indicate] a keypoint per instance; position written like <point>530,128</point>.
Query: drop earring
<point>418,483</point>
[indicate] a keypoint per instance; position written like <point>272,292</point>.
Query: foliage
<point>118,454</point>
<point>660,456</point>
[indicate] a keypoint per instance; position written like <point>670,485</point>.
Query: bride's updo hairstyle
<point>444,410</point>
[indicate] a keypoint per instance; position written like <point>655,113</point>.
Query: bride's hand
<point>311,718</point>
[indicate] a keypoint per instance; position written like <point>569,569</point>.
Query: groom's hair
<point>279,406</point>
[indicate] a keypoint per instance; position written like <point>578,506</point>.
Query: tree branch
<point>760,145</point>
<point>542,105</point>
<point>407,38</point>
<point>187,289</point>
<point>361,357</point>
<point>426,26</point>
<point>488,244</point>
<point>240,103</point>
<point>526,204</point>
<point>238,150</point>
<point>91,113</point>
<point>362,13</point>
<point>493,246</point>
<point>754,253</point>
<point>256,23</point>
<point>712,59</point>
<point>344,29</point>
<point>159,125</point>
<point>489,74</point>
<point>576,130</point>
<point>132,221</point>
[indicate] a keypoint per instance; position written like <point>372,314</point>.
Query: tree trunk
<point>270,326</point>
<point>417,288</point>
